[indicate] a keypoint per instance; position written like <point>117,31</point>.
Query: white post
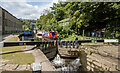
<point>36,68</point>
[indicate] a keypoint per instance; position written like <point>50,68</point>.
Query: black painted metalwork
<point>48,44</point>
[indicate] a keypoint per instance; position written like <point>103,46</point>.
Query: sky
<point>27,9</point>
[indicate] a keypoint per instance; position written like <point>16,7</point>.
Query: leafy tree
<point>91,16</point>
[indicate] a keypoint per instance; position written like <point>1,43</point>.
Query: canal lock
<point>67,64</point>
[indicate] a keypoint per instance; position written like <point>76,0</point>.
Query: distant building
<point>64,21</point>
<point>9,23</point>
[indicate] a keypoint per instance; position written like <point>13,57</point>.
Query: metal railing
<point>77,43</point>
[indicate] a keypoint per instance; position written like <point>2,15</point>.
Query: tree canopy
<point>91,16</point>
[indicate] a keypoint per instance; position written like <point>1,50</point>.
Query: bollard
<point>73,44</point>
<point>36,68</point>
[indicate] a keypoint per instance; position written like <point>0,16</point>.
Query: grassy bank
<point>15,54</point>
<point>13,39</point>
<point>18,58</point>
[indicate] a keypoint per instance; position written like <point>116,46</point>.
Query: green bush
<point>74,36</point>
<point>90,51</point>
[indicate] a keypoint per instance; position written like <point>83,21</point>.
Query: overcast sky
<point>26,9</point>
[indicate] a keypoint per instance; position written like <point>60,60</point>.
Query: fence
<point>76,43</point>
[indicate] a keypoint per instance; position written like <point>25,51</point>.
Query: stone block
<point>88,59</point>
<point>21,67</point>
<point>28,67</point>
<point>88,68</point>
<point>97,64</point>
<point>12,66</point>
<point>92,65</point>
<point>104,67</point>
<point>113,69</point>
<point>88,63</point>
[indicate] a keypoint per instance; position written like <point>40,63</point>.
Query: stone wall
<point>9,22</point>
<point>95,62</point>
<point>0,20</point>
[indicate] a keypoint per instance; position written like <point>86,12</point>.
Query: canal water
<point>62,64</point>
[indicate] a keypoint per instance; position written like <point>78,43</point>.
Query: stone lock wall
<point>96,62</point>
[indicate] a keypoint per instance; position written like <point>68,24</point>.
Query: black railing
<point>76,43</point>
<point>67,44</point>
<point>49,43</point>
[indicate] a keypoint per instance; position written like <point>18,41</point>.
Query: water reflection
<point>64,65</point>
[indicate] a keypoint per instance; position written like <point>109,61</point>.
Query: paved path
<point>6,38</point>
<point>17,67</point>
<point>41,58</point>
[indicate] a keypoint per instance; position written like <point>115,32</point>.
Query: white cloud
<point>26,0</point>
<point>24,10</point>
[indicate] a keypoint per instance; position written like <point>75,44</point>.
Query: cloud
<point>26,0</point>
<point>24,10</point>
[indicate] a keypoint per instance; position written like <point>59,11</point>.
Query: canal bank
<point>93,57</point>
<point>93,61</point>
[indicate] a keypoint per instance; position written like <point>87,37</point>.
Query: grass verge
<point>15,55</point>
<point>18,58</point>
<point>14,48</point>
<point>13,39</point>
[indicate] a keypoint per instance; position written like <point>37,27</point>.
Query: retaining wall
<point>9,23</point>
<point>96,62</point>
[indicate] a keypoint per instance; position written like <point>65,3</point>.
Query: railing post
<point>66,44</point>
<point>79,44</point>
<point>76,42</point>
<point>56,44</point>
<point>70,44</point>
<point>73,44</point>
<point>42,45</point>
<point>60,43</point>
<point>45,45</point>
<point>51,44</point>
